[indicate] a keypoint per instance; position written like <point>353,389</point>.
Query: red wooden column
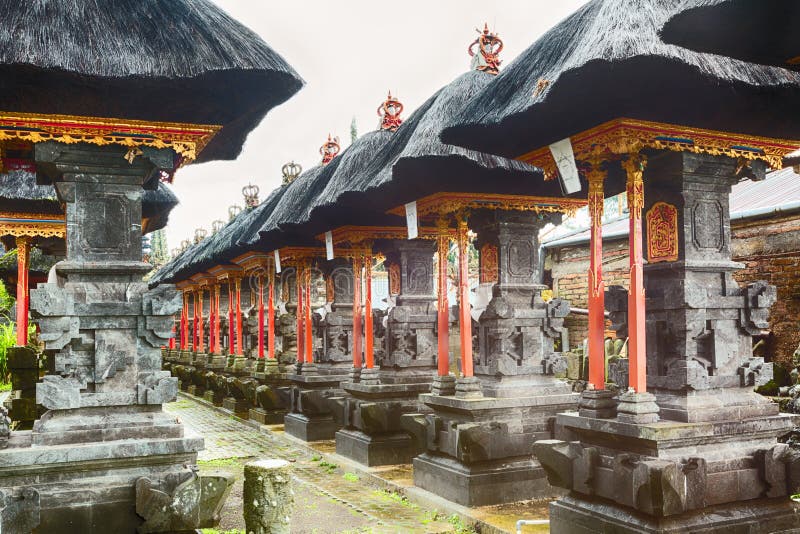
<point>308,344</point>
<point>597,322</point>
<point>443,306</point>
<point>260,316</point>
<point>212,318</point>
<point>637,353</point>
<point>465,319</point>
<point>369,354</point>
<point>172,339</point>
<point>231,333</point>
<point>217,348</point>
<point>238,311</point>
<point>271,317</point>
<point>200,323</point>
<point>23,298</point>
<point>298,275</point>
<point>185,322</point>
<point>357,311</point>
<point>195,321</point>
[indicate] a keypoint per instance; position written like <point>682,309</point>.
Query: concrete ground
<point>332,494</point>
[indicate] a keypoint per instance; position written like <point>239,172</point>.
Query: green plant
<point>328,467</point>
<point>458,525</point>
<point>351,477</point>
<point>8,339</point>
<point>316,458</point>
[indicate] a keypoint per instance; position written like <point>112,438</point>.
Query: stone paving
<point>328,498</point>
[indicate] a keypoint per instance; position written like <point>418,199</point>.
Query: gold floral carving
<point>625,136</point>
<point>32,225</point>
<point>489,266</point>
<point>596,175</point>
<point>187,140</point>
<point>634,168</point>
<point>446,202</point>
<point>662,232</point>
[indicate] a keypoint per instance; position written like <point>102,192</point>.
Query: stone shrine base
<point>373,435</point>
<point>583,515</point>
<point>86,488</point>
<point>310,418</point>
<point>479,449</point>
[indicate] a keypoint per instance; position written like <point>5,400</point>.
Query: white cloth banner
<point>411,220</point>
<point>567,169</point>
<point>329,245</point>
<point>277,261</point>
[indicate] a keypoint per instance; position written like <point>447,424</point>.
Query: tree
<point>353,130</point>
<point>158,248</point>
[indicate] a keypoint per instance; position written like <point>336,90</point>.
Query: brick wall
<point>769,249</point>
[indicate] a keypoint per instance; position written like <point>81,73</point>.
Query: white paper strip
<point>329,245</point>
<point>411,220</point>
<point>567,169</point>
<point>277,261</point>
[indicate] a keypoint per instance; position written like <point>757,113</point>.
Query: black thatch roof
<point>230,241</point>
<point>607,61</point>
<point>158,60</point>
<point>19,192</point>
<point>758,31</point>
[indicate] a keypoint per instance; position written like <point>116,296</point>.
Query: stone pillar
<point>518,329</point>
<point>267,497</point>
<point>103,329</point>
<point>411,343</point>
<point>337,326</point>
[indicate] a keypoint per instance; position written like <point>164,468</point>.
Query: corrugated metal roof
<point>780,191</point>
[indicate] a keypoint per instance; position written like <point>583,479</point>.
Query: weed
<point>351,477</point>
<point>220,462</point>
<point>458,525</point>
<point>393,496</point>
<point>316,458</point>
<point>328,467</point>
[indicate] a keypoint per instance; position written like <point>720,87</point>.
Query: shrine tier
<point>712,462</point>
<point>370,411</point>
<point>104,447</point>
<point>477,443</point>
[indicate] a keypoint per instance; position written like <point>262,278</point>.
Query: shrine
<point>701,449</point>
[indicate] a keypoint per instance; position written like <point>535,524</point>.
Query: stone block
<point>267,497</point>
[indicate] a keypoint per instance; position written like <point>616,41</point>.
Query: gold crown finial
<point>250,193</point>
<point>489,48</point>
<point>389,112</point>
<point>329,149</point>
<point>291,171</point>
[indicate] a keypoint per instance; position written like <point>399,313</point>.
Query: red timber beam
<point>357,333</point>
<point>442,303</point>
<point>637,351</point>
<point>464,316</point>
<point>203,282</point>
<point>369,352</point>
<point>185,288</point>
<point>23,298</point>
<point>596,175</point>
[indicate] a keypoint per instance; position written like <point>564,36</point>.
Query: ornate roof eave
<point>355,236</point>
<point>32,225</point>
<point>253,261</point>
<point>292,256</point>
<point>445,203</point>
<point>226,272</point>
<point>203,280</point>
<point>625,136</point>
<point>187,140</point>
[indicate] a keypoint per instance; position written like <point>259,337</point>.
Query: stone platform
<point>478,449</point>
<point>310,417</point>
<point>372,433</point>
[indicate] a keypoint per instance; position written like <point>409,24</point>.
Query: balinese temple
<point>102,126</point>
<point>689,446</point>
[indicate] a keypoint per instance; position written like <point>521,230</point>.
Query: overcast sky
<point>350,53</point>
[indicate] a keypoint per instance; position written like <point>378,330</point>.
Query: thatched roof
<point>758,31</point>
<point>159,60</point>
<point>230,241</point>
<point>20,193</point>
<point>607,61</point>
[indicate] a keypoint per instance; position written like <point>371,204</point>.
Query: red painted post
<point>597,322</point>
<point>465,318</point>
<point>172,339</point>
<point>443,306</point>
<point>23,263</point>
<point>239,345</point>
<point>271,318</point>
<point>357,311</point>
<point>260,317</point>
<point>637,352</point>
<point>231,334</point>
<point>308,344</point>
<point>185,322</point>
<point>369,354</point>
<point>300,313</point>
<point>200,322</point>
<point>212,318</point>
<point>217,334</point>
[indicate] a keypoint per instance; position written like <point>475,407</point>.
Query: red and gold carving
<point>596,175</point>
<point>489,270</point>
<point>634,168</point>
<point>330,290</point>
<point>489,47</point>
<point>394,279</point>
<point>329,149</point>
<point>389,112</point>
<point>662,233</point>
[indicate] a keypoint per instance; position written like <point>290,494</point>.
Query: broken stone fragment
<point>267,497</point>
